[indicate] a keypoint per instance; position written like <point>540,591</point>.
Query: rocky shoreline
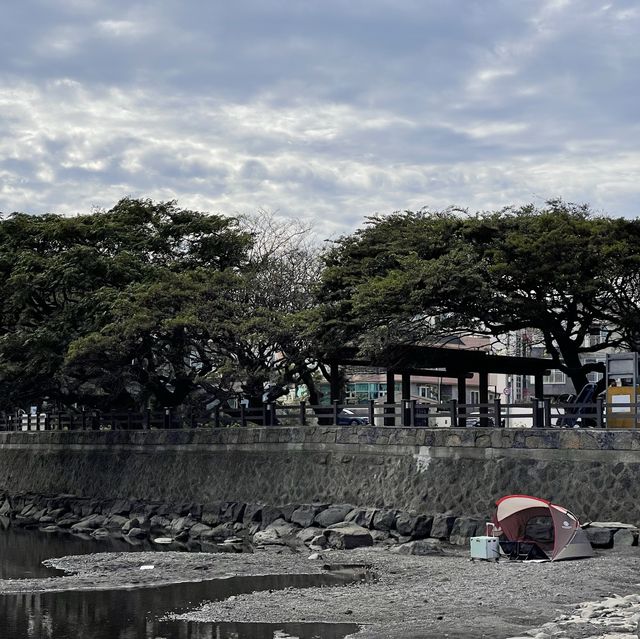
<point>239,526</point>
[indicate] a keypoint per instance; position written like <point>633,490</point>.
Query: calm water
<point>135,613</point>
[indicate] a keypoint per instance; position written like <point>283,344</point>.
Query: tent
<point>552,528</point>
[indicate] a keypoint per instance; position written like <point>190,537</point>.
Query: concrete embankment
<point>421,470</point>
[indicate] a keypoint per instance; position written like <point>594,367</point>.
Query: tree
<point>560,270</point>
<point>67,278</point>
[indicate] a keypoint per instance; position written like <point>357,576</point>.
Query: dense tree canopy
<point>559,270</point>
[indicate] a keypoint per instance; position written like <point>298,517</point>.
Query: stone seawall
<point>595,473</point>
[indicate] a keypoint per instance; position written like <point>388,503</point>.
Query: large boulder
<point>307,534</point>
<point>442,526</point>
<point>384,519</point>
<point>212,513</point>
<point>114,522</point>
<point>345,535</point>
<point>305,514</point>
<point>288,510</point>
<point>252,514</point>
<point>419,547</point>
<point>600,537</point>
<point>268,537</point>
<point>179,525</point>
<point>415,526</point>
<point>463,529</point>
<point>625,537</point>
<point>233,511</point>
<point>269,514</point>
<point>119,507</point>
<point>332,515</point>
<point>362,517</point>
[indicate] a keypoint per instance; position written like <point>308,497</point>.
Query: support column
<point>334,382</point>
<point>484,398</point>
<point>406,399</point>
<point>462,399</point>
<point>538,389</point>
<point>391,399</point>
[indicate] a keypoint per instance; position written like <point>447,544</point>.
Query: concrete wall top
<point>368,438</point>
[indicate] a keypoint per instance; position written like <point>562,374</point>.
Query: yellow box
<point>622,416</point>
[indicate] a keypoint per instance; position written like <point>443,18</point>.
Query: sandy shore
<point>433,596</point>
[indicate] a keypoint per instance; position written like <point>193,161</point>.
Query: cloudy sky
<point>327,110</point>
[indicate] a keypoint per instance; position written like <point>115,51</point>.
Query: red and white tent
<point>554,529</point>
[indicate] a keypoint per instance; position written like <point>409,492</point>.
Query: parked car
<point>347,417</point>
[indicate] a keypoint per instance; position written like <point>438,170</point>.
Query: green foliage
<point>414,276</point>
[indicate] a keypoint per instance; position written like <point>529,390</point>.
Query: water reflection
<point>134,613</point>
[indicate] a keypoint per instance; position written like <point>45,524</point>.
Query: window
<point>556,377</point>
<point>474,397</point>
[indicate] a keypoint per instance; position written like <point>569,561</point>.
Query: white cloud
<point>319,110</point>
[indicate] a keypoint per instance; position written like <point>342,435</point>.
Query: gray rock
<point>5,509</point>
<point>307,534</point>
<point>129,524</point>
<point>332,515</point>
<point>416,526</point>
<point>212,513</point>
<point>319,543</point>
<point>288,510</point>
<point>463,529</point>
<point>266,538</point>
<point>253,513</point>
<point>442,526</point>
<point>269,515</point>
<point>100,533</point>
<point>625,537</point>
<point>219,533</point>
<point>362,517</point>
<point>57,513</point>
<point>68,520</point>
<point>233,511</point>
<point>600,537</point>
<point>346,535</point>
<point>305,514</point>
<point>195,511</point>
<point>197,529</point>
<point>180,525</point>
<point>380,536</point>
<point>92,522</point>
<point>283,528</point>
<point>114,522</point>
<point>384,519</point>
<point>137,533</point>
<point>159,523</point>
<point>424,524</point>
<point>50,529</point>
<point>419,547</point>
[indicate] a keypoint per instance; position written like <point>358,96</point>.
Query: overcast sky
<point>321,109</point>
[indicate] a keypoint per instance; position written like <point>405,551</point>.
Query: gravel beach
<point>444,595</point>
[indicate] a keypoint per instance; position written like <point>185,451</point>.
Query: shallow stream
<point>133,613</point>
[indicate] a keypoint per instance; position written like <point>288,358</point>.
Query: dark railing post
<point>83,419</point>
<point>146,421</point>
<point>243,417</point>
<point>216,416</point>
<point>71,421</point>
<point>536,413</point>
<point>192,422</point>
<point>272,414</point>
<point>497,412</point>
<point>453,408</point>
<point>60,421</point>
<point>412,413</point>
<point>129,419</point>
<point>29,420</point>
<point>303,413</point>
<point>167,418</point>
<point>265,414</point>
<point>372,412</point>
<point>336,410</point>
<point>547,412</point>
<point>406,412</point>
<point>114,423</point>
<point>600,412</point>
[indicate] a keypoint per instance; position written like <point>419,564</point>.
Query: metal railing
<point>537,413</point>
